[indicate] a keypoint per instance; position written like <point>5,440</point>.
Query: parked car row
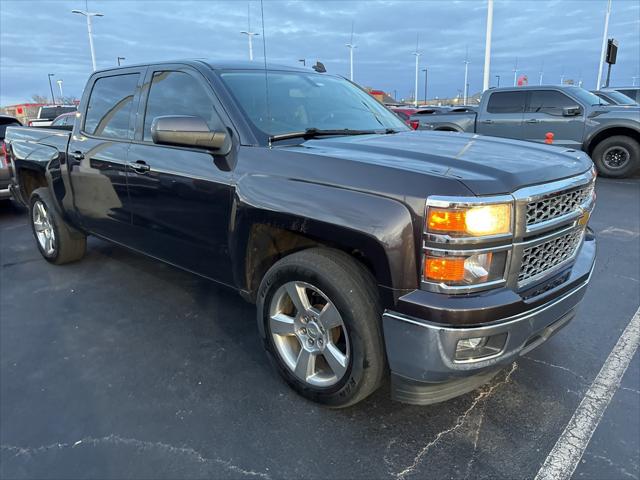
<point>322,207</point>
<point>5,177</point>
<point>567,116</point>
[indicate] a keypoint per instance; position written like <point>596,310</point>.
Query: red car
<point>405,114</point>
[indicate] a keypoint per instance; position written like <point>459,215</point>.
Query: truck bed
<point>447,121</point>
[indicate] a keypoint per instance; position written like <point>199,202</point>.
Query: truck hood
<point>486,165</point>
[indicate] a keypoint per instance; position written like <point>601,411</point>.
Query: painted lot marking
<point>568,450</point>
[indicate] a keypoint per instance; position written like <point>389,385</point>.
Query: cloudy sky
<point>563,37</point>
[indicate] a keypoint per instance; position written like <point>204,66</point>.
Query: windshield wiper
<point>317,132</point>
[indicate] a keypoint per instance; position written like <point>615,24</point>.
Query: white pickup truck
<point>47,113</point>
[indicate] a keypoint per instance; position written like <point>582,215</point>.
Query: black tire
<point>353,291</point>
<point>69,244</point>
<point>618,144</point>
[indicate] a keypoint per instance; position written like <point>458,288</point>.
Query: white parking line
<point>568,450</point>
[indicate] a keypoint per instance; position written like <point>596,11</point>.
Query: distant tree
<point>39,98</point>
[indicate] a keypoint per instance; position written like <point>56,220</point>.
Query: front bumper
<point>421,352</point>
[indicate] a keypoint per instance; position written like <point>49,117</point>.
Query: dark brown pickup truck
<point>370,249</point>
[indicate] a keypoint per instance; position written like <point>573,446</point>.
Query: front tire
<point>57,241</point>
<point>617,156</point>
<point>321,317</point>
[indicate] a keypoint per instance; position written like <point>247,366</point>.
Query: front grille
<point>545,256</point>
<point>558,205</point>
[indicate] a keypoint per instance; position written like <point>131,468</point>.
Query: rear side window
<point>550,102</point>
<point>4,125</point>
<point>631,93</point>
<point>110,105</point>
<point>506,102</point>
<point>178,93</point>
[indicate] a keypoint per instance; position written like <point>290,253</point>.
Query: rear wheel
<point>57,241</point>
<point>617,156</point>
<point>321,318</point>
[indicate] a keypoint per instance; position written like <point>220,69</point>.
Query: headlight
<point>459,269</point>
<point>475,221</point>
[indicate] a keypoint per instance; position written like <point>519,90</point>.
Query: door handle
<point>486,121</point>
<point>139,166</point>
<point>532,120</point>
<point>78,155</point>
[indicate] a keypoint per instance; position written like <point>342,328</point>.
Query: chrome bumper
<point>422,354</point>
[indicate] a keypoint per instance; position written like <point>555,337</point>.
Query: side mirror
<point>187,131</point>
<point>571,111</point>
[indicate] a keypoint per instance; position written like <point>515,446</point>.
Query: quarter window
<point>506,102</point>
<point>178,93</point>
<point>110,105</point>
<point>550,102</point>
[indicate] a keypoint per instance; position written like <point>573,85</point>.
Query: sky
<point>559,37</point>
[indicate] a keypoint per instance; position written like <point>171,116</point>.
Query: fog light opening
<point>477,348</point>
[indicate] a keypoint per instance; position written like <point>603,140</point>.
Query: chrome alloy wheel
<point>43,228</point>
<point>309,334</point>
<point>616,157</point>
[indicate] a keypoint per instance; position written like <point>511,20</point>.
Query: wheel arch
<point>377,231</point>
<point>610,132</point>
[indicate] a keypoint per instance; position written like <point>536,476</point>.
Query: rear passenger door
<point>181,196</point>
<point>503,114</point>
<point>544,114</point>
<point>97,153</point>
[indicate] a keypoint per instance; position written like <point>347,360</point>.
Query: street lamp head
<point>78,11</point>
<point>51,74</point>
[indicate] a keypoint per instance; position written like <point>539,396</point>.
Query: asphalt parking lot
<point>121,367</point>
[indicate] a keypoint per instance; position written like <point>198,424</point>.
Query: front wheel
<point>617,156</point>
<point>320,313</point>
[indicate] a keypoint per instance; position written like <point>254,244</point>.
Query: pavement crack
<point>483,395</point>
<point>559,367</point>
<point>138,444</point>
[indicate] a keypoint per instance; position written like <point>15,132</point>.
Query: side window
<point>110,105</point>
<point>550,102</point>
<point>178,93</point>
<point>506,102</point>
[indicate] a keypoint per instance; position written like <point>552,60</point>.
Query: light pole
<point>53,99</point>
<point>351,46</point>
<point>88,16</point>
<point>59,82</point>
<point>417,54</point>
<point>425,84</point>
<point>249,33</point>
<point>541,72</point>
<point>515,73</point>
<point>498,77</point>
<point>303,61</point>
<point>604,43</point>
<point>120,58</point>
<point>487,46</point>
<point>466,79</point>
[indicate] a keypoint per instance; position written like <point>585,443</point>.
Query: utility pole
<point>120,58</point>
<point>487,46</point>
<point>466,76</point>
<point>515,73</point>
<point>249,33</point>
<point>604,43</point>
<point>417,54</point>
<point>59,82</point>
<point>541,73</point>
<point>425,84</point>
<point>498,77</point>
<point>88,16</point>
<point>53,99</point>
<point>351,46</point>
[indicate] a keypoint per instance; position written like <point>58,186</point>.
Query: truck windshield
<point>586,96</point>
<point>299,101</point>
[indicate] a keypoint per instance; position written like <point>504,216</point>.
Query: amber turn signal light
<point>441,269</point>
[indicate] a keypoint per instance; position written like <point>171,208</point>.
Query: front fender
<point>379,227</point>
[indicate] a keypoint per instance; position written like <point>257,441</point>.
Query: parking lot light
<point>88,16</point>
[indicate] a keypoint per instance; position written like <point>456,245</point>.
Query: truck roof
<point>533,87</point>
<point>216,65</point>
